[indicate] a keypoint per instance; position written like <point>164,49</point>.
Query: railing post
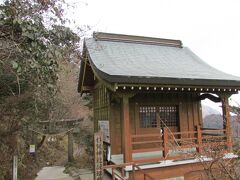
<point>133,171</point>
<point>122,172</point>
<point>199,139</point>
<point>165,142</point>
<point>113,174</point>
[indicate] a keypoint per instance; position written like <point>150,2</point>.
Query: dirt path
<point>53,173</point>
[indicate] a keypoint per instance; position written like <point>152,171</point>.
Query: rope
<point>174,147</point>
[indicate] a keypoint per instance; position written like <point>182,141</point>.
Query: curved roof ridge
<point>100,36</point>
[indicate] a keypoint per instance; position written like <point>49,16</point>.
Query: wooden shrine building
<point>147,96</point>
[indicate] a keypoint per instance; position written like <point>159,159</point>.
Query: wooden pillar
<point>127,145</point>
<point>165,142</point>
<point>199,139</point>
<point>227,121</point>
<point>70,146</point>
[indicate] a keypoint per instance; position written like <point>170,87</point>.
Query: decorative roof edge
<point>100,36</point>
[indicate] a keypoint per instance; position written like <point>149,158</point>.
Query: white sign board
<point>32,148</point>
<point>104,128</point>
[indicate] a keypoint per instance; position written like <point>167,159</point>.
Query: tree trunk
<point>70,147</point>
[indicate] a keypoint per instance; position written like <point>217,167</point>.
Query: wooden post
<point>199,139</point>
<point>15,167</point>
<point>133,171</point>
<point>70,146</point>
<point>113,174</point>
<point>123,172</point>
<point>98,156</point>
<point>165,142</point>
<point>126,130</point>
<point>227,121</point>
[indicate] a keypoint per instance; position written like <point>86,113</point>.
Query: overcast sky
<point>211,28</point>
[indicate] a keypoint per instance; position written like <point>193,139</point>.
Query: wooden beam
<point>127,145</point>
<point>227,121</point>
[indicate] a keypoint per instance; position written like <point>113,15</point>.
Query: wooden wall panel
<point>184,118</point>
<point>132,117</point>
<point>190,114</point>
<point>183,114</point>
<point>101,104</point>
<point>195,114</point>
<point>115,126</point>
<point>188,107</point>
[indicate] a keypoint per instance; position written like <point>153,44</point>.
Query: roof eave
<point>113,79</point>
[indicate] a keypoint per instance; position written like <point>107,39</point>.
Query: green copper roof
<point>138,61</point>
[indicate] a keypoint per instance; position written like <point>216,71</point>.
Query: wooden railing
<point>167,140</point>
<point>141,140</point>
<point>118,171</point>
<point>146,176</point>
